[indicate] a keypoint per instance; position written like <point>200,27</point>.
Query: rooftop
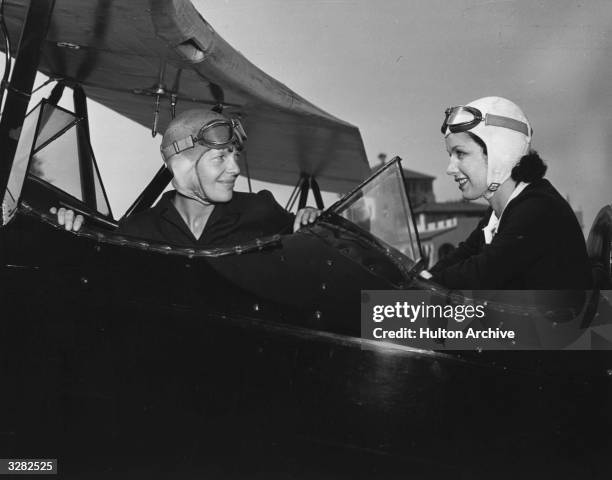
<point>411,174</point>
<point>429,234</point>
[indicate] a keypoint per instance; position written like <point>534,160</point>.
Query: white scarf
<point>491,229</point>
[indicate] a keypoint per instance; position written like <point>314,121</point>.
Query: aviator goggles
<point>216,134</point>
<point>462,118</point>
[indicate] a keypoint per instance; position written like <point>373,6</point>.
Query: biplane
<point>123,358</point>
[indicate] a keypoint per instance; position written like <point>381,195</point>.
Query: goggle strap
<point>177,147</point>
<point>506,122</point>
<point>239,130</point>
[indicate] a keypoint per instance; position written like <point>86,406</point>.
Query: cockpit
<point>55,166</point>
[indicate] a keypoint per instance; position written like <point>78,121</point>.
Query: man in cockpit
<point>202,150</point>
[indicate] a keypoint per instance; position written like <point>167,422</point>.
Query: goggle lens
<point>221,133</point>
<point>460,119</point>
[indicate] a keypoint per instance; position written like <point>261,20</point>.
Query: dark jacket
<point>538,246</point>
<point>246,217</point>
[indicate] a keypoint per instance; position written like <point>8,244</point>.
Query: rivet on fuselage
<point>318,315</point>
<point>256,307</point>
<point>69,45</point>
<point>323,286</point>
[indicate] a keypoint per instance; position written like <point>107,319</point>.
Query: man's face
<point>216,171</point>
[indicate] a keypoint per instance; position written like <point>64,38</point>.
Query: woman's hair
<point>479,141</point>
<point>530,167</point>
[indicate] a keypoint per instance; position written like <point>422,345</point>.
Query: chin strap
<point>490,191</point>
<point>201,196</point>
<point>194,196</point>
<point>189,187</point>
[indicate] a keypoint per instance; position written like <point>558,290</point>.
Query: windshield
<point>381,207</point>
<point>20,165</point>
<point>57,159</point>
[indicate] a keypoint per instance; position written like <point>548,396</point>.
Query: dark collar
<point>222,216</point>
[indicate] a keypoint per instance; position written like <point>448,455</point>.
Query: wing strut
<point>316,191</point>
<point>88,189</point>
<point>151,192</point>
<point>56,93</point>
<point>19,90</point>
<point>293,196</point>
<point>310,183</point>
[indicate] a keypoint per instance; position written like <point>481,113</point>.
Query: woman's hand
<point>67,218</point>
<point>305,216</point>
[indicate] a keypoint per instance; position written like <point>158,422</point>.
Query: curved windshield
<point>20,165</point>
<point>61,161</point>
<point>381,207</point>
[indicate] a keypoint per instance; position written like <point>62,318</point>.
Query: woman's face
<point>217,171</point>
<point>468,165</point>
<point>206,174</point>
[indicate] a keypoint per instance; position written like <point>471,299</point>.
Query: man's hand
<point>305,216</point>
<point>66,218</point>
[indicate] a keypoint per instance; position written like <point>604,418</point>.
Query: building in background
<point>419,187</point>
<point>441,225</point>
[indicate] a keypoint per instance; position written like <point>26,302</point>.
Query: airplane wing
<point>123,52</point>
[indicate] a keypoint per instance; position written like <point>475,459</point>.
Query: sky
<point>391,67</point>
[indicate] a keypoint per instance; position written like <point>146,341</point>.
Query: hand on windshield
<point>67,218</point>
<point>305,216</point>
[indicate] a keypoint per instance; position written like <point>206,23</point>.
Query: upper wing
<point>120,52</point>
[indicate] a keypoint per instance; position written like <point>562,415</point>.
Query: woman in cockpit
<point>530,238</point>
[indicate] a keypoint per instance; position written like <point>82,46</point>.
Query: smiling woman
<point>517,245</point>
<point>201,149</point>
<point>468,164</point>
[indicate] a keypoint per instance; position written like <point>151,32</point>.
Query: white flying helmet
<point>197,127</point>
<point>502,126</point>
